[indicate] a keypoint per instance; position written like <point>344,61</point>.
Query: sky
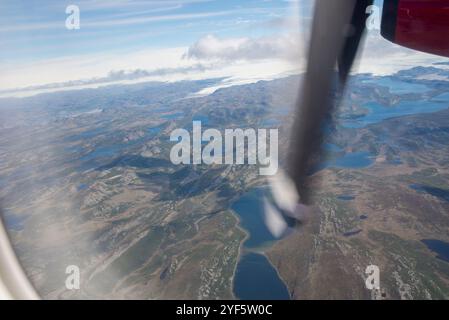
<point>126,41</point>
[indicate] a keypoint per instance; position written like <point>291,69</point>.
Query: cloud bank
<point>238,60</point>
<point>273,47</point>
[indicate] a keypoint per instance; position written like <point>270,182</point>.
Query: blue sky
<point>127,41</point>
<point>126,35</point>
<point>32,30</point>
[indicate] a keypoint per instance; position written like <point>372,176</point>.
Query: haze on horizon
<point>128,41</point>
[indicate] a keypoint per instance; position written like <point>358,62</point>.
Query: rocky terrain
<point>86,180</point>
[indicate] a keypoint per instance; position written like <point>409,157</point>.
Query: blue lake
<point>256,279</point>
<point>108,152</point>
<point>14,222</point>
<point>250,210</point>
<point>203,118</point>
<point>397,86</point>
<point>86,134</point>
<point>444,97</point>
<point>82,186</point>
<point>330,147</point>
<point>352,160</point>
<point>441,248</point>
<point>172,116</point>
<point>378,112</point>
<point>255,276</point>
<point>103,152</point>
<point>346,197</point>
<point>154,130</point>
<point>271,123</point>
<point>352,233</point>
<point>441,194</point>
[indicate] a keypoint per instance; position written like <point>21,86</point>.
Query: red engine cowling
<point>417,24</point>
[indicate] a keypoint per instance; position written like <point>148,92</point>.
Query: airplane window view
<point>224,150</point>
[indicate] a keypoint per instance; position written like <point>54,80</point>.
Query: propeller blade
<point>337,31</point>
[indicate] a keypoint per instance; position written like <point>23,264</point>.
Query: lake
<point>345,197</point>
<point>256,279</point>
<point>255,276</point>
<point>441,248</point>
<point>378,112</point>
<point>250,210</point>
<point>396,86</point>
<point>336,158</point>
<point>439,193</point>
<point>14,222</point>
<point>172,116</point>
<point>203,118</point>
<point>155,130</point>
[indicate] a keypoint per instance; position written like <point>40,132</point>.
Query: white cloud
<point>92,71</point>
<point>238,60</point>
<point>234,49</point>
<point>111,77</point>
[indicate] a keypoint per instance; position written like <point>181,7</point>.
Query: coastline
<point>239,254</point>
